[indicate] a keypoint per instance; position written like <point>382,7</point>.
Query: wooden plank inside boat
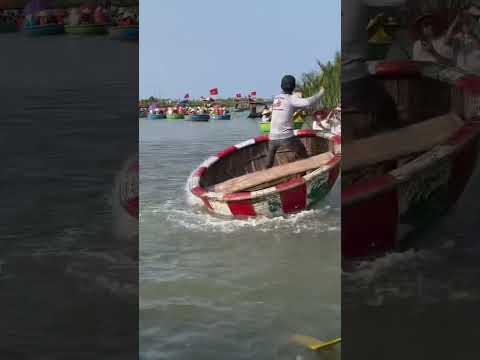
<point>271,175</point>
<point>415,138</point>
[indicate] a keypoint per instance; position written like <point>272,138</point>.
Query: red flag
<point>187,96</point>
<point>214,91</point>
<point>253,93</point>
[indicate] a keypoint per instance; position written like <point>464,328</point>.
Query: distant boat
<point>124,32</point>
<point>86,29</point>
<point>254,115</point>
<point>153,116</point>
<point>41,30</point>
<point>175,116</point>
<point>222,117</point>
<point>200,117</point>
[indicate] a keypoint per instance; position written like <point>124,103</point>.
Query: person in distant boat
<point>266,115</point>
<point>465,44</point>
<point>281,128</point>
<point>99,15</point>
<point>74,16</point>
<point>431,46</point>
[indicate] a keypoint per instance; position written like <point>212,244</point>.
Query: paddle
<point>312,343</point>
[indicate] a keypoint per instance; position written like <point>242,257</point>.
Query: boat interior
<point>244,169</point>
<point>429,111</point>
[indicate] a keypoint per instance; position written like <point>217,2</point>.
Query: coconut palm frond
<point>327,76</point>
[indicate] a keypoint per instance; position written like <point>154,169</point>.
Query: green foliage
<point>328,77</point>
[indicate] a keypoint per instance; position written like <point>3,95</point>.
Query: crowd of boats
<point>42,17</point>
<point>200,113</point>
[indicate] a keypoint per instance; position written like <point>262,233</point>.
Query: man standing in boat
<point>281,127</point>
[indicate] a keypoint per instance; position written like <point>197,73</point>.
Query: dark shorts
<point>293,143</point>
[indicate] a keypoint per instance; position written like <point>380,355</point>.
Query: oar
<point>312,343</point>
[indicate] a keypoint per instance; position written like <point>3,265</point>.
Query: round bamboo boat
<point>233,183</point>
<point>223,117</point>
<point>156,116</point>
<point>264,127</point>
<point>199,117</point>
<point>42,30</point>
<point>175,116</point>
<point>124,32</point>
<point>86,29</point>
<point>409,177</point>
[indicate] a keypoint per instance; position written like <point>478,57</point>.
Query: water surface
<point>227,289</point>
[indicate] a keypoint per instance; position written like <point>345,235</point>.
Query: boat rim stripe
<point>198,191</point>
<point>384,182</point>
<point>226,152</point>
<point>465,133</point>
<point>241,196</point>
<point>399,67</point>
<point>470,84</point>
<point>199,173</point>
<point>291,184</point>
<point>365,189</point>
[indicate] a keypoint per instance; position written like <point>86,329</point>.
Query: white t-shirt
<point>284,106</point>
<point>421,54</point>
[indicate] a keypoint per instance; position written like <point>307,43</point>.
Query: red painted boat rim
<point>204,194</point>
<point>470,83</point>
<point>383,183</point>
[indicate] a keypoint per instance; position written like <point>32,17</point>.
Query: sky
<point>191,46</point>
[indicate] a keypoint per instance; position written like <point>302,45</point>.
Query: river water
<point>68,285</point>
<point>227,289</point>
<point>421,303</point>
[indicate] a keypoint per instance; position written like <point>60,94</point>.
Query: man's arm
<point>301,103</point>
